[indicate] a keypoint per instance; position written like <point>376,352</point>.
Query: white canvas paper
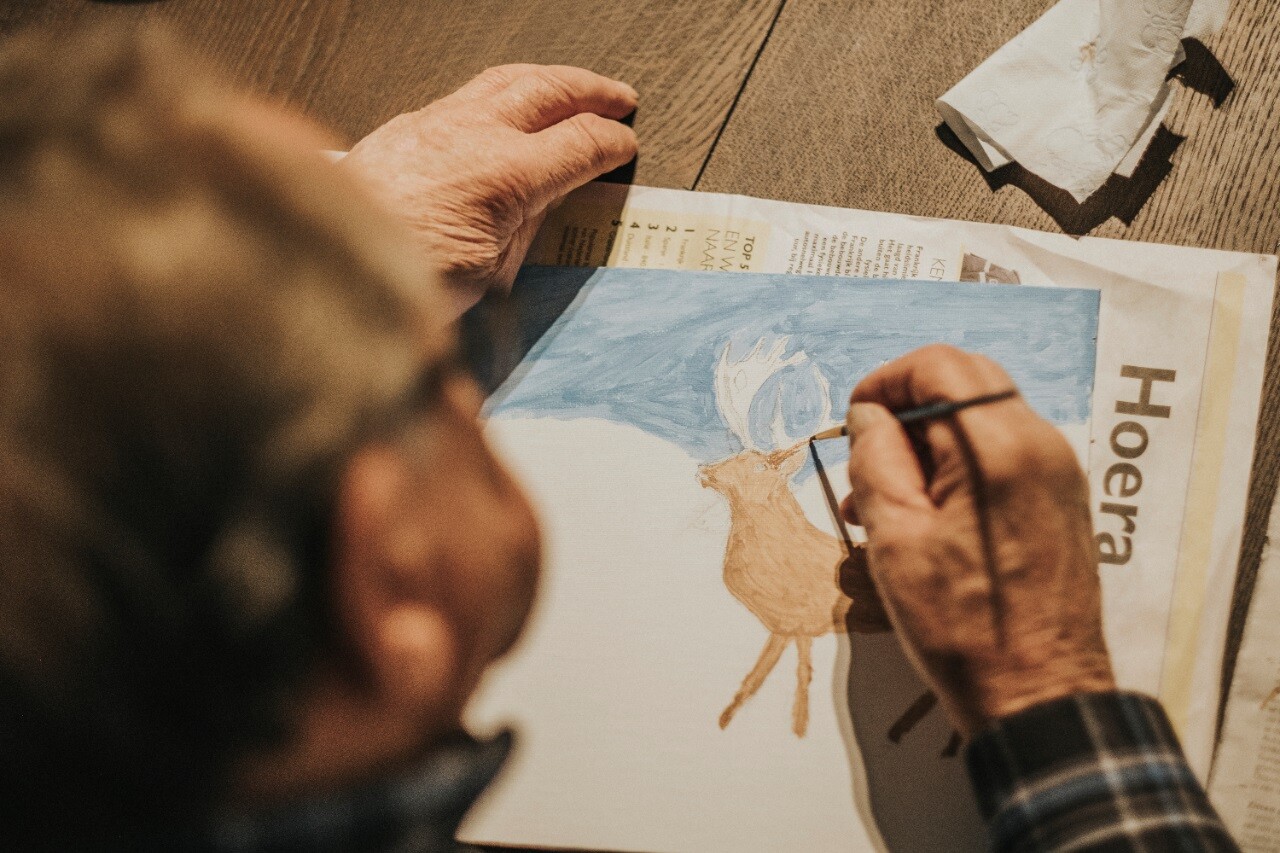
<point>641,640</point>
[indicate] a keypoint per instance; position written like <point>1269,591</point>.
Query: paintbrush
<point>927,412</point>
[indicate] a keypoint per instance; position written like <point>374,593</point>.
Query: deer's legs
<point>804,675</point>
<point>768,660</point>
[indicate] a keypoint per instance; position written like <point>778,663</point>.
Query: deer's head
<point>757,470</point>
<point>751,471</point>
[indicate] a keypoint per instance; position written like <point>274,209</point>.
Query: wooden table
<point>805,100</point>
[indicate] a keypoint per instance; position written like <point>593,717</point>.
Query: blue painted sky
<point>640,346</point>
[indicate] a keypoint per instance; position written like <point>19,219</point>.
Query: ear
<point>383,577</point>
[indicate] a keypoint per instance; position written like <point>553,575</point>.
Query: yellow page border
<point>1195,549</point>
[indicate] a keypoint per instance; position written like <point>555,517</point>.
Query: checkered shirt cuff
<point>1098,772</point>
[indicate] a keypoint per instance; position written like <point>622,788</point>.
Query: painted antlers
<point>738,383</point>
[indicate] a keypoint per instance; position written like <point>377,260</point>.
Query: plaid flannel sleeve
<point>1098,772</point>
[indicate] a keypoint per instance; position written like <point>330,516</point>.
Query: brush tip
<point>834,432</point>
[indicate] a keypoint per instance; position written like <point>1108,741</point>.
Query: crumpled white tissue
<point>1078,94</point>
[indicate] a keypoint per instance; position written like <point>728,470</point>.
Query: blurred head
<point>243,491</point>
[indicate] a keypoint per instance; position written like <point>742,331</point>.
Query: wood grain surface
<point>821,101</point>
<point>839,110</point>
<point>353,64</point>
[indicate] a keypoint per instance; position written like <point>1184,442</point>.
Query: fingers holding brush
<point>889,485</point>
<point>979,536</point>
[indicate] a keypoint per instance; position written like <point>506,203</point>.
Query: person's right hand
<point>986,563</point>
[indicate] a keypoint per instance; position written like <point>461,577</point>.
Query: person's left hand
<point>474,173</point>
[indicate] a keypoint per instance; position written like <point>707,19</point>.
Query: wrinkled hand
<point>986,564</point>
<point>474,173</point>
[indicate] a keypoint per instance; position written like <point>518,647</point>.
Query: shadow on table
<point>1120,197</point>
<point>1202,72</point>
<point>626,173</point>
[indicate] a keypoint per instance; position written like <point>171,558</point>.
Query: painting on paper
<point>693,555</point>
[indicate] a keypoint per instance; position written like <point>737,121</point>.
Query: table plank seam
<point>742,87</point>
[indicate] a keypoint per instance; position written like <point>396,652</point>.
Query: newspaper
<point>1181,346</point>
<point>1246,772</point>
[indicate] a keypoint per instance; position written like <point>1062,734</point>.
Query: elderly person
<point>256,553</point>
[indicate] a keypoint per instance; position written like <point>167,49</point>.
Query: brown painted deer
<point>776,562</point>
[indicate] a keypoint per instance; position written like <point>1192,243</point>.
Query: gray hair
<point>195,329</point>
